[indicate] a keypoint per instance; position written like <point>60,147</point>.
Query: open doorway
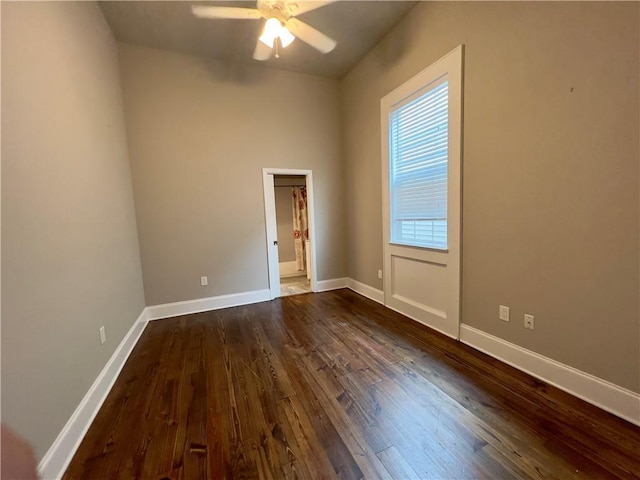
<point>292,225</point>
<point>289,223</point>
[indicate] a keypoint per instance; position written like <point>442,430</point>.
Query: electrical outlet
<point>529,321</point>
<point>380,273</point>
<point>204,281</point>
<point>504,313</point>
<point>103,336</point>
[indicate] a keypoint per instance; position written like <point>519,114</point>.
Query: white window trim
<point>451,66</point>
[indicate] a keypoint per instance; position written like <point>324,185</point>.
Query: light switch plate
<point>504,313</point>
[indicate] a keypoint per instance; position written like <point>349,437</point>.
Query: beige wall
<point>200,132</point>
<point>284,217</point>
<point>70,260</point>
<point>550,170</point>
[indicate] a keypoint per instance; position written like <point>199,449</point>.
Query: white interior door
<point>424,282</point>
<point>272,235</point>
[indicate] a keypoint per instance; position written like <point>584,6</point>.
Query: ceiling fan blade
<point>303,6</point>
<point>203,11</point>
<point>310,35</point>
<point>262,52</point>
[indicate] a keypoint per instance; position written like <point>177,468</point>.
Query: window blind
<point>418,146</point>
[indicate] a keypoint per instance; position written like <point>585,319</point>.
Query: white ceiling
<point>357,26</point>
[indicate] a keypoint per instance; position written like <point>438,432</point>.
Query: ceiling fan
<point>281,26</point>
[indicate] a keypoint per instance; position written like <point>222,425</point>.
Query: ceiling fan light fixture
<point>274,29</point>
<point>286,37</point>
<point>267,41</point>
<point>271,31</point>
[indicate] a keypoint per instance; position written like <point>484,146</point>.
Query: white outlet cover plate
<point>529,321</point>
<point>204,281</point>
<point>504,313</point>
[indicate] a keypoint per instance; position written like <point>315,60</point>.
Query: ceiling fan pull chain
<point>277,42</point>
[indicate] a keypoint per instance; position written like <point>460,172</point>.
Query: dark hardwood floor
<point>333,385</point>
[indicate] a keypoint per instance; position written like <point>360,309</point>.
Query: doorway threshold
<point>295,285</point>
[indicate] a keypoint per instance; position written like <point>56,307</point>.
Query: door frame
<point>271,226</point>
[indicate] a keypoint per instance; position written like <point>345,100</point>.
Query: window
<point>421,153</point>
<point>418,167</point>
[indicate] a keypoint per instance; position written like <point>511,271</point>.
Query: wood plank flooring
<point>330,386</point>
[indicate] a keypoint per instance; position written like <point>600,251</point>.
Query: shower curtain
<point>300,227</point>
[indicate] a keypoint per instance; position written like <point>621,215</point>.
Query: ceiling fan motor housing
<point>275,9</point>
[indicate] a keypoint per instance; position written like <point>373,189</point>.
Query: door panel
<point>421,290</point>
<point>272,234</point>
<point>423,282</point>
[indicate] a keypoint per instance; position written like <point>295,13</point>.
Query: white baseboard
<point>198,305</point>
<point>366,291</point>
<point>56,460</point>
<point>608,396</point>
<point>290,269</point>
<point>333,284</point>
